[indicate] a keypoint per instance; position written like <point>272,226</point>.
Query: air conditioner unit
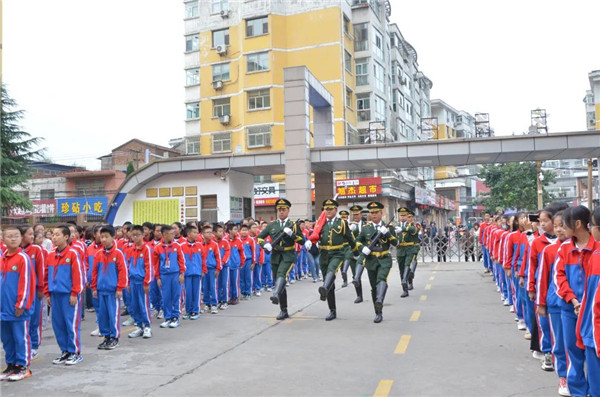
<point>224,119</point>
<point>221,49</point>
<point>225,13</point>
<point>217,84</point>
<point>403,81</point>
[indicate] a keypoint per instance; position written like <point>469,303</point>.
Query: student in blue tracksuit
<point>248,267</point>
<point>223,279</point>
<point>211,265</point>
<point>237,259</point>
<point>259,256</point>
<point>170,275</point>
<point>90,253</point>
<point>17,278</point>
<point>108,281</point>
<point>192,252</point>
<point>141,273</point>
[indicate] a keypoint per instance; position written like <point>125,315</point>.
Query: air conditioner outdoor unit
<point>221,49</point>
<point>225,13</point>
<point>224,119</point>
<point>217,84</point>
<point>402,81</point>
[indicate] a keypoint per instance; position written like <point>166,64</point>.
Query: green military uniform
<point>334,237</point>
<point>350,256</point>
<point>408,248</point>
<point>378,262</point>
<point>283,254</point>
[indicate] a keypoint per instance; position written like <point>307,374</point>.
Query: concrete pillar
<point>323,189</point>
<point>323,126</point>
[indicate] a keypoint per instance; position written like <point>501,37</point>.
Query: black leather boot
<point>327,285</point>
<point>344,279</point>
<point>331,303</point>
<point>283,305</point>
<point>359,297</point>
<point>279,287</point>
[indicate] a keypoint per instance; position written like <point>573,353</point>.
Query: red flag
<point>314,236</point>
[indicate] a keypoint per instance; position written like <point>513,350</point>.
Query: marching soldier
<point>376,240</point>
<point>348,253</point>
<point>333,238</point>
<point>284,235</point>
<point>356,224</point>
<point>408,247</point>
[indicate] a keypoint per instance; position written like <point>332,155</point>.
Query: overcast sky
<point>92,74</point>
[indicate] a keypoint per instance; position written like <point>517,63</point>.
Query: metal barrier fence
<point>452,248</point>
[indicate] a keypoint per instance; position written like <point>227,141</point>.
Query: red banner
<point>40,208</point>
<point>358,188</point>
<point>265,202</point>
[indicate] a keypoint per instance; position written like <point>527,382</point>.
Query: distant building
<point>137,152</point>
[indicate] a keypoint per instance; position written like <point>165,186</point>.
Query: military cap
<point>356,209</point>
<point>330,203</point>
<point>344,213</point>
<point>403,211</point>
<point>374,206</point>
<point>282,203</point>
<point>411,212</point>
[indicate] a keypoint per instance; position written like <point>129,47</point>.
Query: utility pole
<point>590,186</point>
<point>540,192</point>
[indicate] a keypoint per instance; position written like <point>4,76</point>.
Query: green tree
<point>18,150</point>
<point>130,169</point>
<point>514,185</point>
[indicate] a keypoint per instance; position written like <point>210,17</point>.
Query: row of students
<point>551,263</point>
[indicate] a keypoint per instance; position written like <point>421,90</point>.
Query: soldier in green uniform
<point>284,235</point>
<point>333,238</point>
<point>356,224</point>
<point>377,259</point>
<point>408,246</point>
<point>344,215</point>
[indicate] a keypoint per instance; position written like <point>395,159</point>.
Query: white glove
<point>353,226</point>
<point>366,251</point>
<point>308,244</point>
<point>383,230</point>
<point>267,247</point>
<point>288,231</point>
<point>398,229</point>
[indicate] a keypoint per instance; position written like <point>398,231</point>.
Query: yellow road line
<point>427,287</point>
<point>431,278</point>
<point>415,316</point>
<point>423,298</point>
<point>434,272</point>
<point>384,387</point>
<point>402,345</point>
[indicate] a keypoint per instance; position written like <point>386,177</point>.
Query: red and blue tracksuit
<point>18,291</point>
<point>156,298</point>
<point>171,264</point>
<point>267,272</point>
<point>546,296</point>
<point>523,266</point>
<point>90,254</point>
<point>535,252</point>
<point>192,252</point>
<point>37,257</point>
<point>482,238</point>
<point>211,261</point>
<point>124,245</point>
<point>109,277</point>
<point>572,265</point>
<point>223,279</point>
<point>588,325</point>
<point>257,272</point>
<point>511,250</point>
<point>246,269</point>
<point>237,259</point>
<point>141,274</point>
<point>63,280</point>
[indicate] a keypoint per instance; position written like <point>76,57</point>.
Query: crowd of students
<point>156,271</point>
<point>546,267</point>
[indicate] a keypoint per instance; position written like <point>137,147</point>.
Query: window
<point>363,105</point>
<point>191,9</point>
<point>220,37</point>
<point>362,71</point>
<point>257,27</point>
<point>377,43</point>
<point>221,142</point>
<point>192,42</point>
<point>400,127</point>
<point>259,99</point>
<point>347,25</point>
<point>208,208</point>
<point>216,6</point>
<point>379,75</point>
<point>220,72</point>
<point>379,108</point>
<point>193,111</point>
<point>361,37</point>
<point>192,146</point>
<point>258,62</point>
<point>348,97</point>
<point>192,76</point>
<point>357,2</point>
<point>221,107</point>
<point>409,113</point>
<point>89,188</point>
<point>46,194</point>
<point>348,61</point>
<point>259,136</point>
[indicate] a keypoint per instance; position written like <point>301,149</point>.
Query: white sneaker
<point>538,355</point>
<point>214,310</point>
<point>497,289</point>
<point>129,321</point>
<point>521,325</point>
<point>563,389</point>
<point>224,306</point>
<point>257,293</point>
<point>34,353</point>
<point>269,289</point>
<point>165,323</point>
<point>147,333</point>
<point>512,309</point>
<point>547,364</point>
<point>95,332</point>
<point>136,333</point>
<point>506,302</point>
<point>527,335</point>
<point>160,314</point>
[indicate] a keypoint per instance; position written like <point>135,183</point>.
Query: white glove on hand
<point>383,230</point>
<point>308,244</point>
<point>288,231</point>
<point>366,251</point>
<point>353,226</point>
<point>267,247</point>
<point>398,229</point>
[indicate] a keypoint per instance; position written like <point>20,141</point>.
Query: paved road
<point>451,337</point>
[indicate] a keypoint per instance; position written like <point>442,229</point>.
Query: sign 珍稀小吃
<point>82,205</point>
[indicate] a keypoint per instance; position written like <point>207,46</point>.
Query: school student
<point>192,253</point>
<point>170,275</point>
<point>237,259</point>
<point>250,260</point>
<point>141,273</point>
<point>108,281</point>
<point>223,279</point>
<point>211,261</point>
<point>90,254</point>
